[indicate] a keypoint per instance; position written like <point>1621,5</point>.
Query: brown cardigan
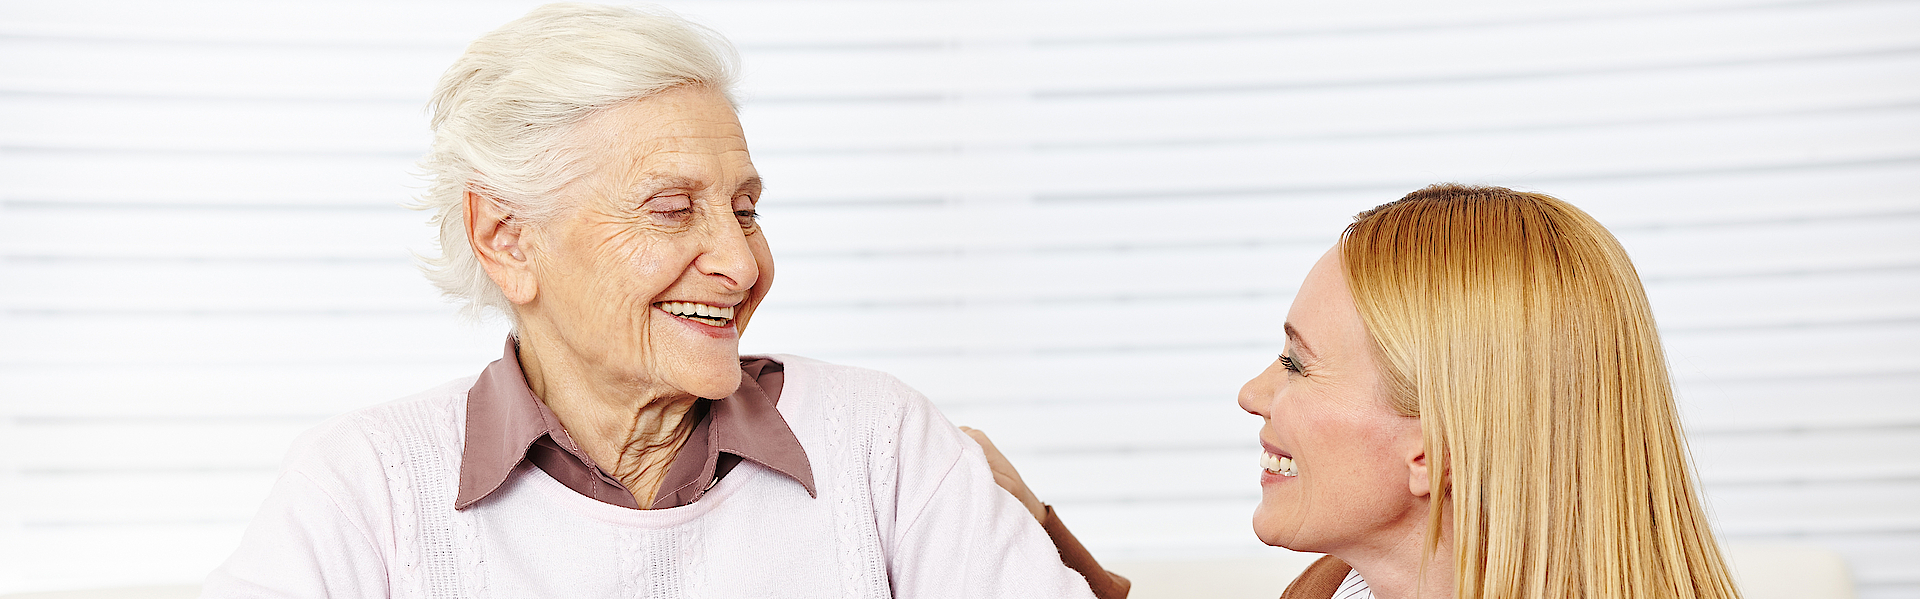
<point>1319,581</point>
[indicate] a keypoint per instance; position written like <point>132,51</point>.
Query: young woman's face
<point>1340,466</point>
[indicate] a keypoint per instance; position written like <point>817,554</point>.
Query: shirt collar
<point>505,419</point>
<point>746,425</point>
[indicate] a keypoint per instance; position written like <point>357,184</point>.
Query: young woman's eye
<point>1289,363</point>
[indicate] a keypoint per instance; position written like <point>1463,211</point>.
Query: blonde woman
<point>1473,403</point>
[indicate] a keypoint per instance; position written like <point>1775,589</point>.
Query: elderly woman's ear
<point>499,242</point>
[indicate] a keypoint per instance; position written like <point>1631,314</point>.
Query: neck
<point>631,429</point>
<point>1393,568</point>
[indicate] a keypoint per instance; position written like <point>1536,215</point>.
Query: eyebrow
<point>751,185</point>
<point>659,182</point>
<point>1294,335</point>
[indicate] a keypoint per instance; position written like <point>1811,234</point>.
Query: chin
<point>1275,527</point>
<point>1265,532</point>
<point>705,368</point>
<point>718,390</point>
<point>713,378</point>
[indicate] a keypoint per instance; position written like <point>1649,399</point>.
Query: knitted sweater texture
<point>906,508</point>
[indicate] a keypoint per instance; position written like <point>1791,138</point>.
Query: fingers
<point>995,460</point>
<point>980,437</point>
<point>1006,476</point>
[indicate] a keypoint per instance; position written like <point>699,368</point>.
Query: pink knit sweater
<point>906,508</point>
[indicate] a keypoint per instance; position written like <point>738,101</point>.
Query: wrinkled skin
<point>663,214</point>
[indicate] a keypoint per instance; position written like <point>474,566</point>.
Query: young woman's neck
<point>1398,566</point>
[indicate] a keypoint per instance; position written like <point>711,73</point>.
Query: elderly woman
<point>592,182</point>
<point>1473,403</point>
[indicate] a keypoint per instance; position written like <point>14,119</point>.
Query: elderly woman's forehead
<point>667,139</point>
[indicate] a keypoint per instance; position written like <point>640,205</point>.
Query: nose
<point>1256,397</point>
<point>729,257</point>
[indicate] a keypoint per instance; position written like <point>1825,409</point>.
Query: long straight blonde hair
<point>1513,325</point>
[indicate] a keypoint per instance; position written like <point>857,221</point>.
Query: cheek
<point>646,268</point>
<point>1337,457</point>
<point>1357,475</point>
<point>649,263</point>
<point>763,258</point>
<point>1291,425</point>
<point>624,273</point>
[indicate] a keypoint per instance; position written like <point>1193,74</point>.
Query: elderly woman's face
<point>1339,461</point>
<point>658,262</point>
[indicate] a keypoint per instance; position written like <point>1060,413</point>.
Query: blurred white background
<point>1076,225</point>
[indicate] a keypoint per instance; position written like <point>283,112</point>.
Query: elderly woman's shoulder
<point>841,385</point>
<point>881,418</point>
<point>428,422</point>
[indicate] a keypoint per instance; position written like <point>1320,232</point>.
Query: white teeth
<point>698,310</point>
<point>1278,465</point>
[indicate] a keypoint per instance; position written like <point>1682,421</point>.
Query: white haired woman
<point>1473,403</point>
<point>592,182</point>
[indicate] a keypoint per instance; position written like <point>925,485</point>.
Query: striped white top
<point>1354,587</point>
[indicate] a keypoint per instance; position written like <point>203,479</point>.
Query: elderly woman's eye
<point>747,217</point>
<point>673,204</point>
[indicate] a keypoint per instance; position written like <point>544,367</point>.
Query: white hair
<point>504,112</point>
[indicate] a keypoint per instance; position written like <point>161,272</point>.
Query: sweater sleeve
<point>957,533</point>
<point>300,545</point>
<point>305,542</point>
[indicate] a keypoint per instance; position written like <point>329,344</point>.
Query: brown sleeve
<point>1319,581</point>
<point>1106,585</point>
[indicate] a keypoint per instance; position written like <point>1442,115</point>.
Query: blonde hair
<point>504,112</point>
<point>1515,327</point>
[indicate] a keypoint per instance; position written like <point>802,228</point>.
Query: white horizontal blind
<point>1076,225</point>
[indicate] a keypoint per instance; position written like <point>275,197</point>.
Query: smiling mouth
<point>715,316</point>
<point>1278,465</point>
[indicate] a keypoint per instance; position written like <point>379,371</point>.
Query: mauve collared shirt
<point>506,425</point>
